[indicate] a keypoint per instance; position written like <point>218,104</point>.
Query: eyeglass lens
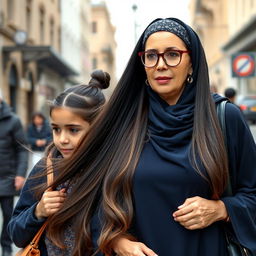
<point>172,58</point>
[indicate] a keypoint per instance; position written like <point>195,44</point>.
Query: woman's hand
<point>50,203</point>
<point>197,212</point>
<point>125,247</point>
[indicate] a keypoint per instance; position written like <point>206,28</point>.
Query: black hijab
<point>171,127</point>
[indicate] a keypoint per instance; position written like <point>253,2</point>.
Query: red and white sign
<point>243,65</point>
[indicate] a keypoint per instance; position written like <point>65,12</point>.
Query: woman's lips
<point>163,80</point>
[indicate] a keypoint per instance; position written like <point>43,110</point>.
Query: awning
<point>244,39</point>
<point>45,56</point>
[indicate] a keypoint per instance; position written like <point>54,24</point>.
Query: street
<point>253,130</point>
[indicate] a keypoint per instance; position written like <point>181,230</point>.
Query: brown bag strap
<point>49,182</point>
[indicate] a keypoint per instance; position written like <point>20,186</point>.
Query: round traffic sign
<point>243,65</point>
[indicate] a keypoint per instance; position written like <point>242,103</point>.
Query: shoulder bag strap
<point>221,107</point>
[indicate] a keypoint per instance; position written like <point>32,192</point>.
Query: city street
<point>253,130</point>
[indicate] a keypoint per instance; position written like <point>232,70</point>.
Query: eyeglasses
<point>171,58</point>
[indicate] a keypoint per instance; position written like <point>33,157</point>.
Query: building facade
<point>31,70</point>
<point>102,42</point>
<point>226,28</point>
<point>85,21</point>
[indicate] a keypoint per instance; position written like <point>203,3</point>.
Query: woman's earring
<point>147,83</point>
<point>190,79</point>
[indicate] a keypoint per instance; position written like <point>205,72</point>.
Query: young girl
<point>71,113</point>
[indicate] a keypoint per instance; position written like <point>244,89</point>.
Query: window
<point>10,9</point>
<point>41,20</point>
<point>59,39</point>
<point>52,32</point>
<point>94,63</point>
<point>28,17</point>
<point>94,27</point>
<point>13,87</point>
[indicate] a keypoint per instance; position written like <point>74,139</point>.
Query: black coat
<point>13,154</point>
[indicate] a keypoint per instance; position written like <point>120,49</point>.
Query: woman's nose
<point>161,63</point>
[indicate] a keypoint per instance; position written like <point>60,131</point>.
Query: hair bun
<point>100,79</point>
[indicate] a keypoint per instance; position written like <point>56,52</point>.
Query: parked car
<point>247,104</point>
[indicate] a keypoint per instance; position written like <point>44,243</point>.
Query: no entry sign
<point>243,65</point>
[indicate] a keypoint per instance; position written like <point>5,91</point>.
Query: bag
<point>32,248</point>
<point>233,246</point>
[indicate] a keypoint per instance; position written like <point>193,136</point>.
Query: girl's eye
<point>74,130</point>
<point>56,129</point>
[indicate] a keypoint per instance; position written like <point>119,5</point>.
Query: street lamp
<point>134,8</point>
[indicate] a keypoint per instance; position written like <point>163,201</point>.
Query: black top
<point>13,153</point>
<point>161,185</point>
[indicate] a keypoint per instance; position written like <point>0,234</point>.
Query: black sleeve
<point>242,165</point>
<point>20,144</point>
<point>24,224</point>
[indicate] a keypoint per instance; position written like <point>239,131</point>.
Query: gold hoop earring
<point>190,79</point>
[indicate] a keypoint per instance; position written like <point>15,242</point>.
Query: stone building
<point>102,42</point>
<point>31,70</point>
<point>226,28</point>
<point>75,37</point>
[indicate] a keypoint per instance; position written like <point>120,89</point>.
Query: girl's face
<point>68,130</point>
<point>167,81</point>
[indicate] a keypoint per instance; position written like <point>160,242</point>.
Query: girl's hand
<point>50,203</point>
<point>125,247</point>
<point>197,212</point>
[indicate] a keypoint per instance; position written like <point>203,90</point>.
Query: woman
<point>71,113</point>
<point>153,169</point>
<point>39,136</point>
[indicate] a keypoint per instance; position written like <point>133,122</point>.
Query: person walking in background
<point>72,113</point>
<point>13,167</point>
<point>39,135</point>
<point>230,93</point>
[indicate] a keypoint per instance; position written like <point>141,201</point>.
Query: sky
<point>125,20</point>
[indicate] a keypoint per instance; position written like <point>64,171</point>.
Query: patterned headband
<point>169,26</point>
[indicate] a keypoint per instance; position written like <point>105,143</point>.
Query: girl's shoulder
<point>36,175</point>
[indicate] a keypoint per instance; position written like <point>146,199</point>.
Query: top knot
<point>99,79</point>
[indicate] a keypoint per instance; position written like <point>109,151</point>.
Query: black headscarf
<point>171,127</point>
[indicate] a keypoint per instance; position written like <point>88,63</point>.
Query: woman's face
<point>168,81</point>
<point>68,129</point>
<point>38,120</point>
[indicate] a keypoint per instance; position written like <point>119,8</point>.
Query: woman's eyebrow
<point>166,49</point>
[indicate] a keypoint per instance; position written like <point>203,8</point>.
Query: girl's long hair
<point>103,166</point>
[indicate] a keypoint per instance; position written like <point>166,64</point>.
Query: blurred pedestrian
<point>230,93</point>
<point>13,167</point>
<point>72,113</point>
<point>39,135</point>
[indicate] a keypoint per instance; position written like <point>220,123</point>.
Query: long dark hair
<point>104,164</point>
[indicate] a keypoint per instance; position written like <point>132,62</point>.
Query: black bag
<point>233,246</point>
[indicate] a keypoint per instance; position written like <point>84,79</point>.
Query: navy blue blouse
<point>161,185</point>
